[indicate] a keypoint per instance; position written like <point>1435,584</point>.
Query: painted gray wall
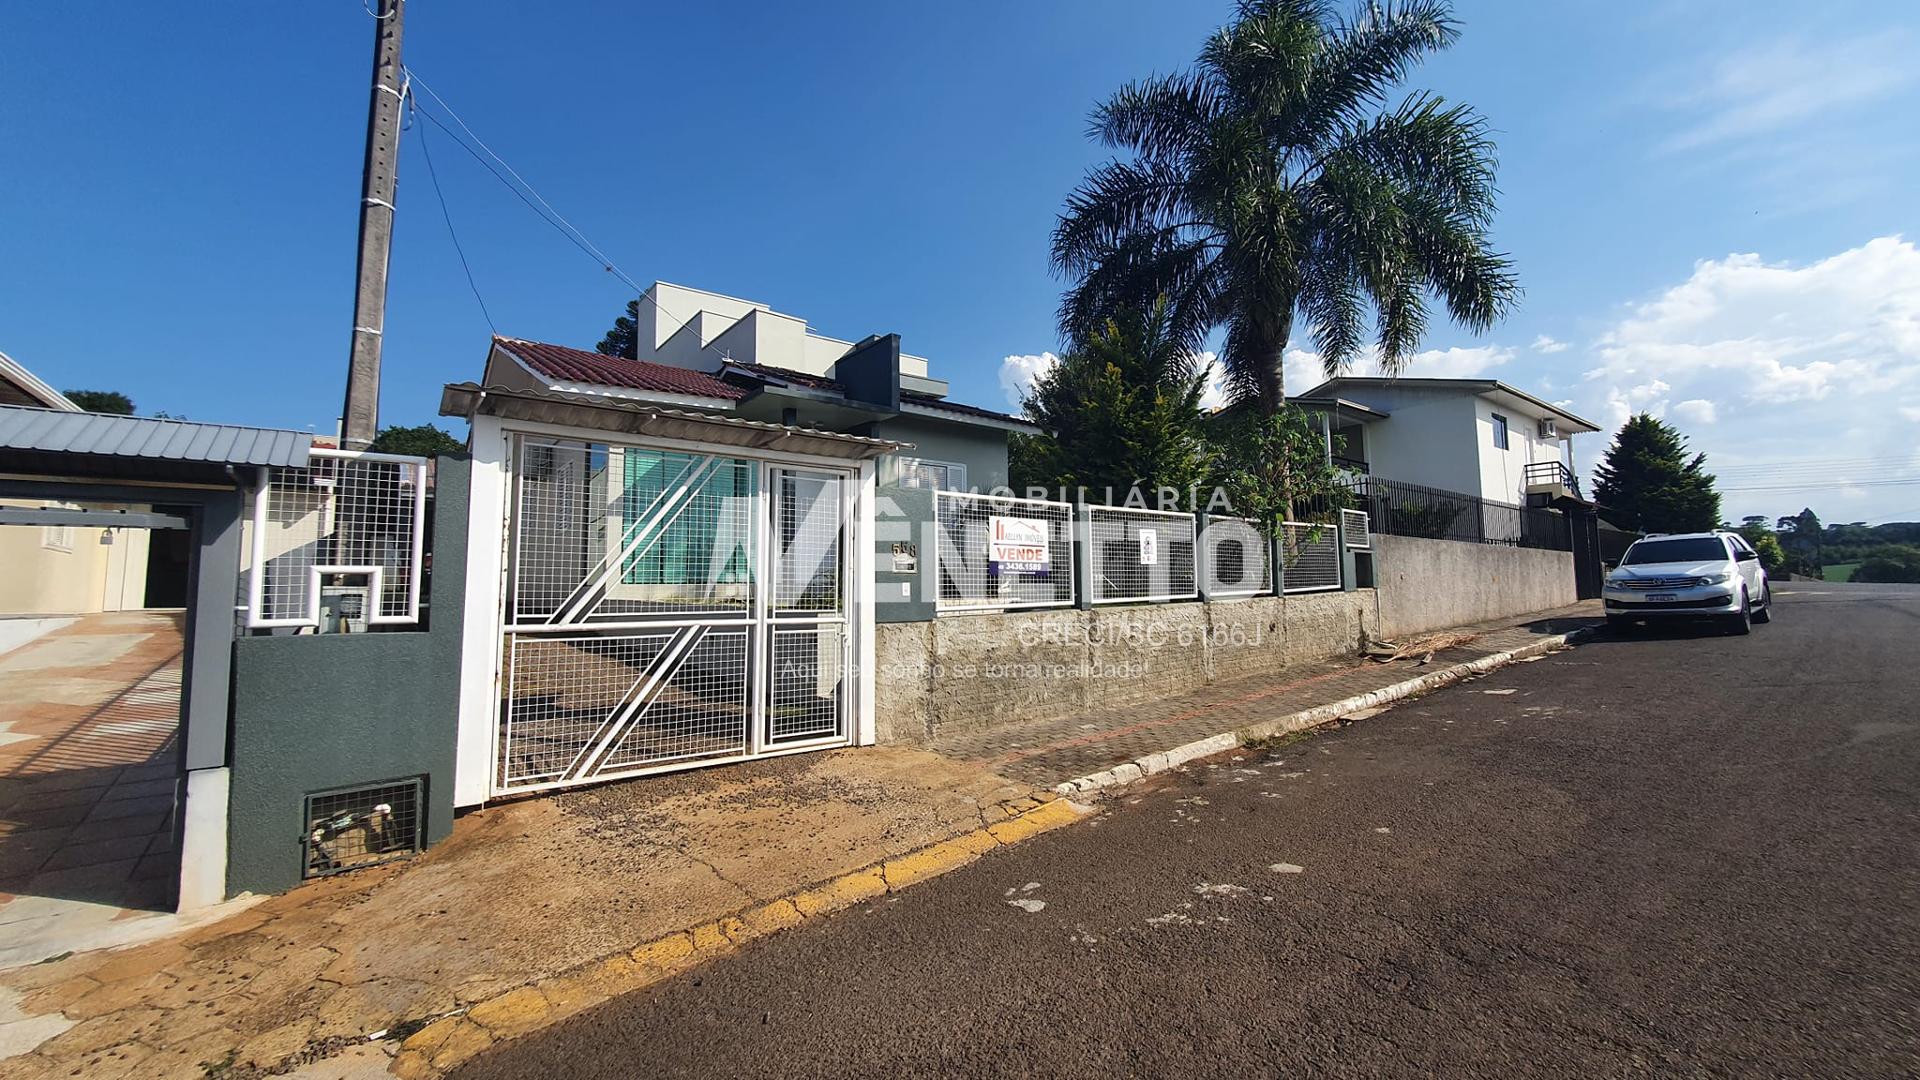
<point>312,712</point>
<point>1431,584</point>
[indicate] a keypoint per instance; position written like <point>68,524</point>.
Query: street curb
<point>451,1040</point>
<point>1140,768</point>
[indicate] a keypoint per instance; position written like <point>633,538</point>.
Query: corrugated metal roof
<point>633,417</point>
<point>103,435</point>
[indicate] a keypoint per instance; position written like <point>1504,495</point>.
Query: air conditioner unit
<point>1548,429</point>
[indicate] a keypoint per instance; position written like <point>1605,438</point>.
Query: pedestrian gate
<point>669,608</point>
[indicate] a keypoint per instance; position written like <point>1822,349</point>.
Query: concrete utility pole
<point>360,418</point>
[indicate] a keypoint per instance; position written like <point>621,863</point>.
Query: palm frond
<point>1164,118</point>
<point>1425,145</point>
<point>1116,201</point>
<point>1363,61</point>
<point>1139,272</point>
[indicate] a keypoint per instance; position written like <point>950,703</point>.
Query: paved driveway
<point>1675,853</point>
<point>89,716</point>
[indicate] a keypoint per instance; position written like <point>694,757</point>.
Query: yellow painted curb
<point>451,1040</point>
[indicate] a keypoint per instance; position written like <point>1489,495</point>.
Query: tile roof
<point>104,435</point>
<point>575,365</point>
<point>578,365</point>
<point>787,375</point>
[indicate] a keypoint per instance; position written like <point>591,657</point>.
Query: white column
<point>863,595</point>
<point>203,840</point>
<point>480,643</point>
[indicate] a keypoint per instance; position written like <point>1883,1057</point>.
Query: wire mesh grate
<point>809,522</point>
<point>699,709</point>
<point>809,677</point>
<point>1237,559</point>
<point>1355,527</point>
<point>973,529</point>
<point>350,828</point>
<point>1309,557</point>
<point>604,533</point>
<point>365,512</point>
<point>1141,555</point>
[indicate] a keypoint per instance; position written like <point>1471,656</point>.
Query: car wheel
<point>1743,622</point>
<point>1764,614</point>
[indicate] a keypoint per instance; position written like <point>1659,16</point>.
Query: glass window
<point>1694,549</point>
<point>935,475</point>
<point>1499,431</point>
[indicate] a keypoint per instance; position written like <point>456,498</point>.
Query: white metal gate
<point>639,630</point>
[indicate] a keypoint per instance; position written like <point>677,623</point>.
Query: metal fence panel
<point>344,513</point>
<point>1356,528</point>
<point>1396,508</point>
<point>1141,554</point>
<point>1309,557</point>
<point>1237,559</point>
<point>978,537</point>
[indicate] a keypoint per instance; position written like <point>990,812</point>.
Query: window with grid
<point>933,475</point>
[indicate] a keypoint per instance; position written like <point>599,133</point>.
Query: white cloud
<point>1546,344</point>
<point>1788,83</point>
<point>1809,362</point>
<point>1696,411</point>
<point>1017,374</point>
<point>1457,363</point>
<point>1304,369</point>
<point>1214,395</point>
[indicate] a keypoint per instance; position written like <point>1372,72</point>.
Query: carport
<point>196,472</point>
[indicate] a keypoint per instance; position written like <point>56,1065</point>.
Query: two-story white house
<point>1474,436</point>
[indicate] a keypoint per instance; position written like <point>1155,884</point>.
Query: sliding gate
<point>666,609</point>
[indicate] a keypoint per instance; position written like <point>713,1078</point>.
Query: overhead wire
<point>447,216</point>
<point>545,210</point>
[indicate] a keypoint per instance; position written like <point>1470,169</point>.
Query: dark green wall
<point>903,515</point>
<point>312,712</point>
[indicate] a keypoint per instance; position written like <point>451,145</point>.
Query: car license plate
<point>1663,597</point>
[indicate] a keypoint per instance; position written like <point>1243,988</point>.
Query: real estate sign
<point>1017,545</point>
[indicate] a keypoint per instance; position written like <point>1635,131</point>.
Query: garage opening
<point>92,644</point>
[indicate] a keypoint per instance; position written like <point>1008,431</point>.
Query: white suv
<point>1690,576</point>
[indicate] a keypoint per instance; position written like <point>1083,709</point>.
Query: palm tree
<point>1272,179</point>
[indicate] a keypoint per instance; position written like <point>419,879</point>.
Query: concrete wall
<point>967,672</point>
<point>1427,585</point>
<point>312,712</point>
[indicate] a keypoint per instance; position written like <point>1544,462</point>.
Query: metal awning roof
<point>99,435</point>
<point>637,418</point>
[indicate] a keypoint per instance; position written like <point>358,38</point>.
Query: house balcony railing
<point>1352,465</point>
<point>1552,479</point>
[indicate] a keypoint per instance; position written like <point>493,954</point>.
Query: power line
<point>447,216</point>
<point>586,244</point>
<point>545,210</point>
<point>1811,486</point>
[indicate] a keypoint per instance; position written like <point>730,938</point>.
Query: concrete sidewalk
<point>521,893</point>
<point>537,909</point>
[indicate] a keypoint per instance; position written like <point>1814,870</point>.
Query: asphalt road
<point>1671,854</point>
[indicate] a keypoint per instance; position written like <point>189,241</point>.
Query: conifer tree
<point>1649,483</point>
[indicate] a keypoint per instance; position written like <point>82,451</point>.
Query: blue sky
<point>1710,204</point>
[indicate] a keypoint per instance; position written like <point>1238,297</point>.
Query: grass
<point>1840,571</point>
